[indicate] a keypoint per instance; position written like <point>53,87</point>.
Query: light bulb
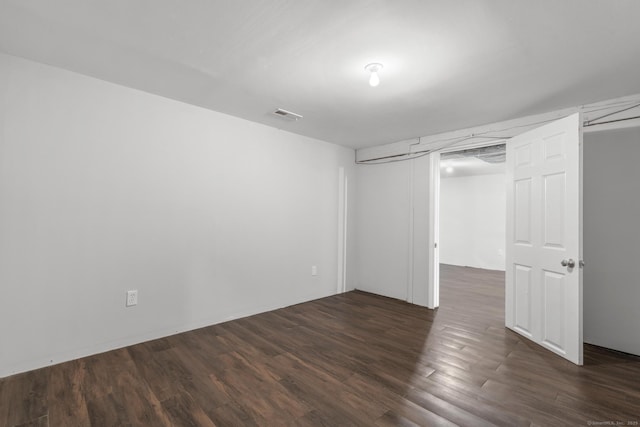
<point>449,169</point>
<point>374,80</point>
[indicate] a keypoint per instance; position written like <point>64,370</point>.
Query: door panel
<point>523,300</point>
<point>554,211</point>
<point>553,304</point>
<point>523,156</point>
<point>522,216</point>
<point>543,297</point>
<point>554,147</point>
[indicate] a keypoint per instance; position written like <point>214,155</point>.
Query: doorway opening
<point>471,203</point>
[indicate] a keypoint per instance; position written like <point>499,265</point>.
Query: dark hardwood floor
<point>351,359</point>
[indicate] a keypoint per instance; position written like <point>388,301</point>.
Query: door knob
<point>568,263</point>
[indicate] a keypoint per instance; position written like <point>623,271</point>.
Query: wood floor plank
<point>445,409</point>
<point>39,422</point>
<point>183,411</point>
<point>410,414</point>
<point>231,414</point>
<point>24,398</point>
<point>67,404</point>
<point>353,359</point>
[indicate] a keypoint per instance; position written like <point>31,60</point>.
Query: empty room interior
<point>364,213</point>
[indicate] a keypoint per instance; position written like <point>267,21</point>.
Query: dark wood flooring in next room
<point>351,359</point>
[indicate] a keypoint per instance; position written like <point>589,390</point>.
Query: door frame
<point>433,290</point>
<point>433,284</point>
<point>343,198</point>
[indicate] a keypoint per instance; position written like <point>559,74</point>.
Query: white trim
<point>581,236</point>
<point>433,286</point>
<point>411,237</point>
<point>342,232</point>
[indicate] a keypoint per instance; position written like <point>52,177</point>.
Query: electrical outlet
<point>132,298</point>
<point>314,270</point>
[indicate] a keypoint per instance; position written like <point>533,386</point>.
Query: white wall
<point>105,188</point>
<point>392,229</point>
<point>612,239</point>
<point>472,221</point>
<point>383,229</point>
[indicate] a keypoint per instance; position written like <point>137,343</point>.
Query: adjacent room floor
<point>350,359</point>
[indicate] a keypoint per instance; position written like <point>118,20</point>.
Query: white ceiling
<point>448,64</point>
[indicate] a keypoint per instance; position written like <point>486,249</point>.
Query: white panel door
<point>544,232</point>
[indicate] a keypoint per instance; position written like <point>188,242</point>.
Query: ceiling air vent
<point>288,115</point>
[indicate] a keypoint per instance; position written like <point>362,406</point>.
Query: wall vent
<point>288,115</point>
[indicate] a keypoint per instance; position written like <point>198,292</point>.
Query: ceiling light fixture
<point>373,68</point>
<point>449,169</point>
